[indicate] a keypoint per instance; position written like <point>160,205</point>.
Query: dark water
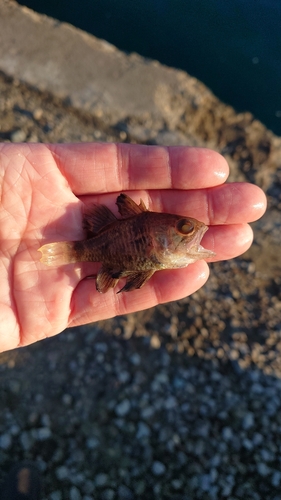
<point>233,46</point>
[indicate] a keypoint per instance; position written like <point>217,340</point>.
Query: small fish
<point>132,247</point>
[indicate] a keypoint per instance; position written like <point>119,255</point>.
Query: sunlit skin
<point>45,189</point>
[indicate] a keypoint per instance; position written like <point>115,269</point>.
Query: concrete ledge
<point>151,102</point>
<point>70,63</point>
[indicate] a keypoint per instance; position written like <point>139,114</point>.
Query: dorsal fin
<point>127,207</point>
<point>96,218</point>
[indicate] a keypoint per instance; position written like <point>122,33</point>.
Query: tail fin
<point>57,254</point>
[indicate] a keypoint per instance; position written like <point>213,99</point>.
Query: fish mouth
<point>200,252</point>
<point>197,250</point>
<point>204,252</point>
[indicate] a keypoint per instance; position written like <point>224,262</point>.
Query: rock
<point>158,468</point>
<point>135,359</point>
<point>227,433</point>
<point>55,495</point>
<point>124,493</point>
<point>18,136</point>
<point>43,433</point>
<point>67,399</point>
<point>276,479</point>
<point>155,342</point>
<point>177,484</point>
<point>101,479</point>
<point>248,421</point>
<point>62,473</point>
<point>92,443</point>
<point>263,469</point>
<point>147,412</point>
<point>205,482</point>
<point>108,494</point>
<point>101,347</point>
<point>143,431</point>
<point>123,408</point>
<point>74,493</point>
<point>170,403</point>
<point>26,440</point>
<point>5,441</point>
<point>124,376</point>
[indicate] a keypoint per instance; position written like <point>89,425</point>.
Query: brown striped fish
<point>131,247</point>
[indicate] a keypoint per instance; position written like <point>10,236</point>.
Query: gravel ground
<point>178,402</point>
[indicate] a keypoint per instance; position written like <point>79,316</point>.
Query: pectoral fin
<point>105,280</point>
<point>136,280</point>
<point>127,207</point>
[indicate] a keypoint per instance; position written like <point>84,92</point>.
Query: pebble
<point>123,408</point>
<point>92,443</point>
<point>248,421</point>
<point>124,493</point>
<point>205,482</point>
<point>101,347</point>
<point>55,495</point>
<point>18,136</point>
<point>227,433</point>
<point>155,342</point>
<point>170,403</point>
<point>74,493</point>
<point>26,440</point>
<point>158,468</point>
<point>263,469</point>
<point>148,412</point>
<point>124,376</point>
<point>5,441</point>
<point>143,431</point>
<point>43,433</point>
<point>276,479</point>
<point>135,359</point>
<point>177,484</point>
<point>108,494</point>
<point>67,399</point>
<point>101,479</point>
<point>62,472</point>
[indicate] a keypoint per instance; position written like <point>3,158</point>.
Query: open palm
<point>44,189</point>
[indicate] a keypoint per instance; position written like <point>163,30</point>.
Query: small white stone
<point>18,136</point>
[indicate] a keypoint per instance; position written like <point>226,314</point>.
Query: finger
<point>100,168</point>
<point>88,305</point>
<point>226,204</point>
<point>228,241</point>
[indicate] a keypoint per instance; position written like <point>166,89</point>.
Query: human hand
<point>43,190</point>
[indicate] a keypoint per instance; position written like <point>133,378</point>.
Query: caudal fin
<point>57,254</point>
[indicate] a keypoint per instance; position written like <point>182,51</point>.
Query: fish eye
<point>185,226</point>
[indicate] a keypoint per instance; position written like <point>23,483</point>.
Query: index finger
<point>109,167</point>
